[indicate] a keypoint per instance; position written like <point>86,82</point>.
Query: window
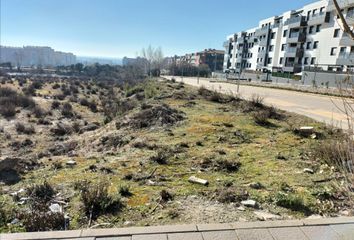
<point>283,46</point>
<point>271,48</point>
<point>352,49</point>
<point>273,35</point>
<point>315,45</point>
<point>336,33</point>
<point>285,33</point>
<point>308,45</point>
<point>281,60</point>
<point>318,28</point>
<point>333,51</point>
<point>314,12</point>
<point>306,61</point>
<point>308,15</point>
<point>313,60</point>
<point>311,30</point>
<point>322,9</point>
<point>270,60</point>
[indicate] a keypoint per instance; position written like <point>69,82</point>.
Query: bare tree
<point>346,27</point>
<point>154,58</point>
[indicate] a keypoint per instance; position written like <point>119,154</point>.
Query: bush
<point>42,220</point>
<point>261,118</point>
<point>41,193</point>
<point>55,105</point>
<point>338,152</point>
<point>161,156</point>
<point>293,202</point>
<point>21,128</point>
<point>97,201</point>
<point>10,99</point>
<point>124,191</point>
<point>8,110</point>
<point>166,196</point>
<point>38,112</point>
<point>67,110</point>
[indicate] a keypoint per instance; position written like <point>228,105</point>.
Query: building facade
<point>34,56</point>
<point>310,37</point>
<point>211,57</point>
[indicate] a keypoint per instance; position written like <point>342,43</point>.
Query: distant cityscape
<point>28,56</point>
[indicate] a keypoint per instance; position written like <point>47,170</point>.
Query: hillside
<point>78,153</point>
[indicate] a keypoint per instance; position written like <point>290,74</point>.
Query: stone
<point>307,130</point>
<point>249,203</point>
<point>55,208</point>
<point>308,170</point>
<point>256,185</point>
<point>71,163</point>
<point>241,208</point>
<point>265,216</point>
<point>194,179</point>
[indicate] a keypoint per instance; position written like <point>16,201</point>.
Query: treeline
<point>189,70</point>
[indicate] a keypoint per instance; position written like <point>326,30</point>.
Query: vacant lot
<point>85,153</point>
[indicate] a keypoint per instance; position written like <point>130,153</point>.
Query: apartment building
<point>212,57</point>
<point>32,56</point>
<point>310,37</point>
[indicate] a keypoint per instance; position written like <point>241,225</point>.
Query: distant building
<point>133,61</point>
<point>33,56</point>
<point>211,57</point>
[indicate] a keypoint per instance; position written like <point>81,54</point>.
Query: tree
<point>346,27</point>
<point>154,59</point>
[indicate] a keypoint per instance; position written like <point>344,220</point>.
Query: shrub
<point>293,202</point>
<point>35,220</point>
<point>337,152</point>
<point>97,201</point>
<point>160,157</point>
<point>8,110</point>
<point>257,101</point>
<point>124,191</point>
<point>21,128</point>
<point>38,112</point>
<point>261,118</point>
<point>67,110</point>
<point>56,86</point>
<point>41,193</point>
<point>55,105</point>
<point>166,196</point>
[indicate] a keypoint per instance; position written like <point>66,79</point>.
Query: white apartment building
<point>308,37</point>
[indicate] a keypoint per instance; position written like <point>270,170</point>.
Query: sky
<point>118,28</point>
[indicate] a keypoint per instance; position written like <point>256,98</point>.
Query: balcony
<point>293,52</point>
<point>262,31</point>
<point>317,19</point>
<point>296,37</point>
<point>346,40</point>
<point>346,59</point>
<point>240,40</point>
<point>276,25</point>
<point>296,22</point>
<point>342,4</point>
<point>292,67</point>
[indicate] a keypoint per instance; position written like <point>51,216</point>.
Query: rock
<point>70,163</point>
<point>265,216</point>
<point>256,185</point>
<point>128,223</point>
<point>344,213</point>
<point>306,129</point>
<point>194,179</point>
<point>18,192</point>
<point>314,216</point>
<point>249,203</point>
<point>55,208</point>
<point>241,208</point>
<point>15,221</point>
<point>308,170</point>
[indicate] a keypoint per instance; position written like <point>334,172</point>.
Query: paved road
<point>319,107</point>
<point>307,229</point>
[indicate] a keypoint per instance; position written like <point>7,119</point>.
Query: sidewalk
<point>307,229</point>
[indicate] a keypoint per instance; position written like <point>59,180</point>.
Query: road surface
<point>319,107</point>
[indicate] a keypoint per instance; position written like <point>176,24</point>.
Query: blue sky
<point>117,28</point>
